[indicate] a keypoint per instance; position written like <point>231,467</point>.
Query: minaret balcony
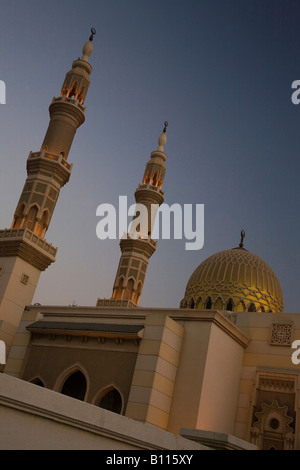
<point>27,245</point>
<point>144,239</point>
<point>152,188</point>
<point>72,101</point>
<point>148,194</point>
<point>50,163</point>
<point>50,156</point>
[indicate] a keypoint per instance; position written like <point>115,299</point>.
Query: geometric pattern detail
<point>235,274</point>
<point>268,411</point>
<point>277,384</point>
<point>281,334</point>
<point>273,429</point>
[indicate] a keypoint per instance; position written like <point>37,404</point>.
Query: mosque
<point>215,373</point>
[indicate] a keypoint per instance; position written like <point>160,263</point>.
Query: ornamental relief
<point>281,334</point>
<point>216,289</point>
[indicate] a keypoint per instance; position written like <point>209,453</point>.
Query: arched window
<point>75,386</point>
<point>129,289</point>
<point>42,225</point>
<point>82,95</point>
<point>38,382</point>
<point>73,93</point>
<point>138,292</point>
<point>147,178</point>
<point>155,181</point>
<point>192,303</point>
<point>229,305</point>
<point>119,289</point>
<point>18,217</point>
<point>31,218</point>
<point>208,304</point>
<point>112,401</point>
<point>251,307</point>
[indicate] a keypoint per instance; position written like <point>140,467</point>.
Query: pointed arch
<point>208,303</point>
<point>110,399</point>
<point>129,289</point>
<point>32,217</point>
<point>147,178</point>
<point>230,305</point>
<point>19,216</point>
<point>192,303</point>
<point>119,288</point>
<point>73,382</point>
<point>37,381</point>
<point>81,95</point>
<point>42,225</point>
<point>73,93</point>
<point>219,305</point>
<point>138,292</point>
<point>155,179</point>
<point>75,386</point>
<point>65,89</point>
<point>251,307</point>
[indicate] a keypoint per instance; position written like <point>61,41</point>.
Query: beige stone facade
<point>39,419</point>
<point>229,373</point>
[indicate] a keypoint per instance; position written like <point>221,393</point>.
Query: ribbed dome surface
<point>234,280</point>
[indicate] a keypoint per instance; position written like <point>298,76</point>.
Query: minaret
<point>24,253</point>
<point>136,251</point>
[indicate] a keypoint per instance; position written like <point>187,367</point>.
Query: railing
<point>153,188</point>
<point>58,158</point>
<point>71,101</point>
<point>25,233</point>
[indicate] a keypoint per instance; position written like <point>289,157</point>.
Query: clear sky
<point>219,71</point>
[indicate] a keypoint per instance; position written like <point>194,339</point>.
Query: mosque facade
<point>221,364</point>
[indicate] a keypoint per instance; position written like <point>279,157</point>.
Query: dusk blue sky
<point>219,71</point>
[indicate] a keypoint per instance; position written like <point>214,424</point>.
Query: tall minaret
<point>24,253</point>
<point>136,251</point>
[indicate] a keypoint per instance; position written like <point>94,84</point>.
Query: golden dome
<point>235,280</point>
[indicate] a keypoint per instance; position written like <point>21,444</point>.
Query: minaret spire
<point>241,245</point>
<point>24,253</point>
<point>48,169</point>
<point>136,252</point>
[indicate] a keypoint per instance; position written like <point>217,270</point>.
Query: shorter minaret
<point>24,253</point>
<point>137,250</point>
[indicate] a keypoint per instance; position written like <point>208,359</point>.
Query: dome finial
<point>241,245</point>
<point>162,140</point>
<point>93,31</point>
<point>88,47</point>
